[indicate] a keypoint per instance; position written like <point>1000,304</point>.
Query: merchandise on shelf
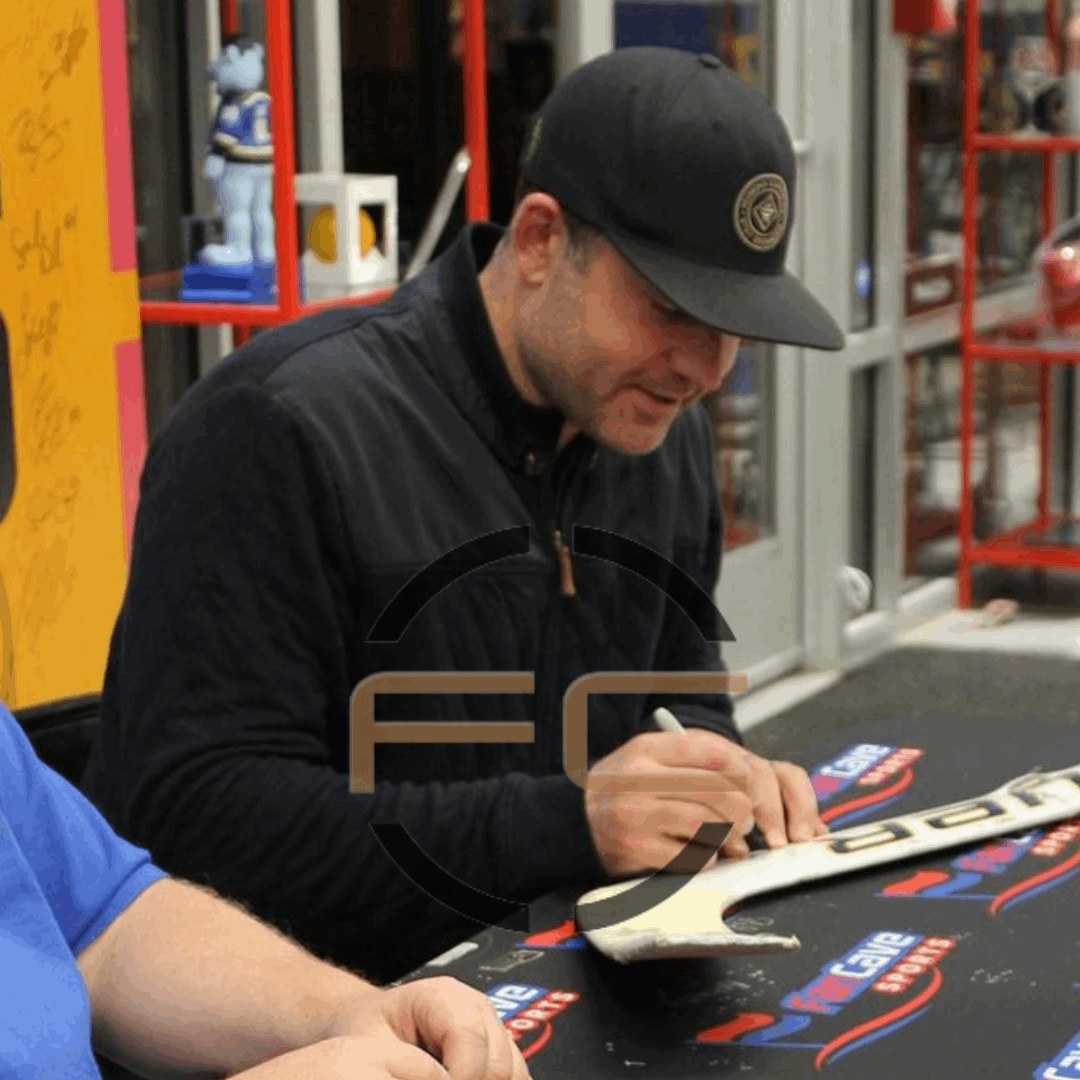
<point>1050,110</point>
<point>1003,109</point>
<point>1036,540</point>
<point>239,163</point>
<point>1058,259</point>
<point>351,238</point>
<point>1033,65</point>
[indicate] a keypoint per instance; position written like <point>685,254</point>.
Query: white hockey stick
<point>619,922</point>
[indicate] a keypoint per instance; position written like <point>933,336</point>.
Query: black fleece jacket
<point>292,494</point>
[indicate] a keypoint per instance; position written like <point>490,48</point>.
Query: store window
<point>1004,460</point>
<point>1016,93</point>
<point>740,32</point>
<point>737,31</point>
<point>743,415</point>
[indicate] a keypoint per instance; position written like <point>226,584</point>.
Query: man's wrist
<point>351,1010</point>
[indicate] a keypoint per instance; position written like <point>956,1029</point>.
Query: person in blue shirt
<point>101,950</point>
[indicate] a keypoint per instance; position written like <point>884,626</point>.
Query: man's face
<point>614,355</point>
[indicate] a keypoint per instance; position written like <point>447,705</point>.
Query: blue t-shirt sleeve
<point>87,873</point>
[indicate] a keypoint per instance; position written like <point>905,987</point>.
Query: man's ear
<point>536,237</point>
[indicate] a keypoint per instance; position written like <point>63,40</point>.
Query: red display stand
<point>1027,545</point>
<point>280,87</point>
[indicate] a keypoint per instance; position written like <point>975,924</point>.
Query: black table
<point>960,964</point>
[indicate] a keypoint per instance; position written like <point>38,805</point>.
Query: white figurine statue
<point>240,155</point>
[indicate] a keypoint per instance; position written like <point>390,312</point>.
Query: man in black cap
<point>404,487</point>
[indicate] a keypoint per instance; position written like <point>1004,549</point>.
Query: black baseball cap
<point>690,173</point>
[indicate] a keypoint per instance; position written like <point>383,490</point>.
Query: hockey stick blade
<point>690,922</point>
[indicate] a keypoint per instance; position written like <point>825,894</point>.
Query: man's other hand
<point>452,1022</point>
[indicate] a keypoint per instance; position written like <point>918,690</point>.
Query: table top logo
<point>871,776</point>
<point>1066,1066</point>
<point>563,936</point>
<point>878,986</point>
<point>1002,873</point>
<point>526,1011</point>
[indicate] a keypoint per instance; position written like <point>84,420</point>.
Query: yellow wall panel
<point>69,304</point>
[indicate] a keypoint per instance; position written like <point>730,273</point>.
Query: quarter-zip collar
<point>523,436</point>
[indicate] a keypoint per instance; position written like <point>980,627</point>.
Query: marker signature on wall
<point>22,47</point>
<point>48,581</point>
<point>65,47</point>
<point>37,330</point>
<point>38,136</point>
<point>52,418</point>
<point>45,240</point>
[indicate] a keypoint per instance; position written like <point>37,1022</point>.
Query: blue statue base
<point>243,283</point>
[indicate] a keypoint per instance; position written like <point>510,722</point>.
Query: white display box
<point>351,271</point>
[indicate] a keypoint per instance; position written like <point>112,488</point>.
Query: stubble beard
<point>577,403</point>
<point>544,371</point>
<point>541,360</point>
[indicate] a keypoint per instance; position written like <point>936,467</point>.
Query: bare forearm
<point>184,983</point>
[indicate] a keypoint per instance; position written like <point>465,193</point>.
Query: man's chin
<point>634,440</point>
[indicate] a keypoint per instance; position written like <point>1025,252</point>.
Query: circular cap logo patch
<point>761,212</point>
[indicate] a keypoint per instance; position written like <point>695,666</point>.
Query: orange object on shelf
<point>1027,544</point>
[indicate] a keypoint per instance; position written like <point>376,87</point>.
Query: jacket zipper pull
<point>566,566</point>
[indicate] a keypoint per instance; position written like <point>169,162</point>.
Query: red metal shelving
<point>1011,548</point>
<point>981,141</point>
<point>1017,354</point>
<point>279,52</point>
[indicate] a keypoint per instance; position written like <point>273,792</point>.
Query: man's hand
<point>452,1022</point>
<point>350,1058</point>
<point>636,832</point>
<point>785,806</point>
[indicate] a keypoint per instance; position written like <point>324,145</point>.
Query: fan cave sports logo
<point>867,777</point>
<point>1066,1066</point>
<point>563,936</point>
<point>1002,873</point>
<point>527,1011</point>
<point>881,985</point>
<point>870,775</point>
